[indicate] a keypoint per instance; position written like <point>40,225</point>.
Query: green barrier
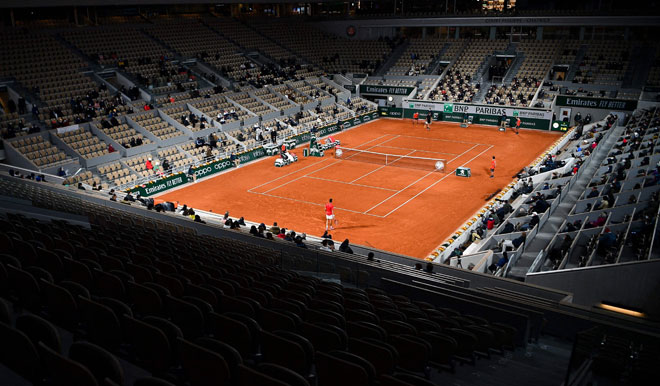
<point>479,114</point>
<point>559,126</point>
<point>393,112</point>
<point>202,171</point>
<point>155,187</point>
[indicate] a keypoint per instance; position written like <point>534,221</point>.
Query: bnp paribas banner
<point>480,114</point>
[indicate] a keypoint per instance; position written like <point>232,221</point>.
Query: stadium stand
<point>334,54</point>
<point>101,286</point>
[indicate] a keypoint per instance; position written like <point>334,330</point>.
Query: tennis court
<point>404,206</point>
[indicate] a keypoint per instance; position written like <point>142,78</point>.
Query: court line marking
<point>463,153</point>
<point>314,203</point>
<point>303,176</point>
<point>425,151</point>
<point>416,181</point>
<point>351,183</point>
<point>435,183</point>
<point>444,140</point>
<point>318,170</point>
<point>377,169</point>
<point>308,166</point>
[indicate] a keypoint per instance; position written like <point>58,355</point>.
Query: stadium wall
<point>608,283</point>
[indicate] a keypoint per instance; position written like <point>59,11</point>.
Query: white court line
<point>350,156</point>
<point>318,170</point>
<point>433,184</point>
<point>312,203</point>
<point>351,183</point>
<point>303,176</point>
<point>377,169</point>
<point>444,140</point>
<point>425,151</point>
<point>463,153</point>
<point>416,181</point>
<point>308,166</point>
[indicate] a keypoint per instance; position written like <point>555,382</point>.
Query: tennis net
<point>404,161</point>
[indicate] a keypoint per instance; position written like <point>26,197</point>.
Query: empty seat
<point>19,354</point>
<point>202,366</point>
<point>39,330</point>
<point>333,371</point>
<point>100,362</point>
<point>62,371</point>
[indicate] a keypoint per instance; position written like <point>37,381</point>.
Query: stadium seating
<point>84,143</point>
<point>39,151</point>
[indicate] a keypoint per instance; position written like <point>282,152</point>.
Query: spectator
<point>429,267</point>
<point>275,229</point>
<point>149,166</point>
<point>113,198</point>
<point>324,246</point>
<point>593,193</point>
<point>253,231</point>
<point>299,242</point>
<point>199,219</point>
<point>111,149</point>
<point>191,173</point>
<point>282,234</point>
<point>345,247</point>
<point>81,187</point>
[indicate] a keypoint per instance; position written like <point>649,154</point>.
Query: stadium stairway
<point>639,67</point>
<point>391,60</point>
<point>551,227</point>
<point>576,63</point>
<point>513,69</point>
<point>543,363</point>
<point>435,63</point>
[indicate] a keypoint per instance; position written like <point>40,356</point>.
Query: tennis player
<point>329,215</point>
<point>492,167</point>
<point>517,124</point>
<point>429,119</point>
<point>415,117</point>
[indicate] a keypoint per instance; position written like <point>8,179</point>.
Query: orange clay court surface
<point>407,211</point>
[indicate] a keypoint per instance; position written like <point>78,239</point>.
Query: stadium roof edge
<point>484,21</point>
<point>128,3</point>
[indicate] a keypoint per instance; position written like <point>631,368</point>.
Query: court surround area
<point>407,209</point>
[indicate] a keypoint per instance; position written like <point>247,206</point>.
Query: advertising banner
<point>155,187</point>
<point>596,103</point>
<point>385,90</point>
<point>480,114</point>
